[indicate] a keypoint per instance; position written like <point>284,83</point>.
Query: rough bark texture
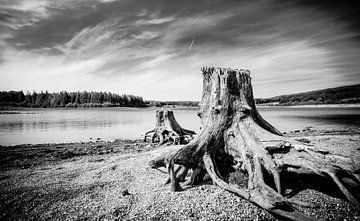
<point>167,129</point>
<point>246,155</point>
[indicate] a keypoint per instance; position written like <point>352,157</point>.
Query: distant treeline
<point>174,103</point>
<point>68,99</point>
<point>338,95</point>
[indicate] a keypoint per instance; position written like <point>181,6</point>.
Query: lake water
<point>74,125</point>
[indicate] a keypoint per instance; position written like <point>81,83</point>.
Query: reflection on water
<point>64,124</point>
<point>74,125</point>
<point>290,118</point>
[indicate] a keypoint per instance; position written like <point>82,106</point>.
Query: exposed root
<point>259,197</point>
<point>168,130</point>
<point>344,190</point>
<point>147,134</point>
<point>175,186</point>
<point>234,137</point>
<point>302,204</point>
<point>210,168</point>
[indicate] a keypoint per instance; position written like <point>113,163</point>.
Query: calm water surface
<point>74,125</point>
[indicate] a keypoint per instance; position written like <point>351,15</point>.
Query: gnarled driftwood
<point>167,129</point>
<point>235,141</point>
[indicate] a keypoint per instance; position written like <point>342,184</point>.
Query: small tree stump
<point>167,129</point>
<point>246,155</point>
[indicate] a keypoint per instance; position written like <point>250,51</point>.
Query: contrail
<point>191,44</point>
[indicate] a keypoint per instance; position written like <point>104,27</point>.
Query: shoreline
<point>311,105</point>
<point>10,110</point>
<point>111,180</point>
<point>307,131</point>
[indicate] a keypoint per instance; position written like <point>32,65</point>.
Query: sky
<point>156,48</point>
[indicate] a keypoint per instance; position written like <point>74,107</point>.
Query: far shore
<point>11,110</point>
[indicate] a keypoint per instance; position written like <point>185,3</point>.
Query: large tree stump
<point>167,129</point>
<point>247,156</point>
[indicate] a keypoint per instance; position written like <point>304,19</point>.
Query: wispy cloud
<point>154,21</point>
<point>156,48</point>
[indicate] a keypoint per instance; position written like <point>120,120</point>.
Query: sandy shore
<point>111,180</point>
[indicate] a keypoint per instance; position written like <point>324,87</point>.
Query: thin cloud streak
<point>191,44</point>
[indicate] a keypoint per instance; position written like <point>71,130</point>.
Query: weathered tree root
<point>167,129</point>
<point>235,141</point>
